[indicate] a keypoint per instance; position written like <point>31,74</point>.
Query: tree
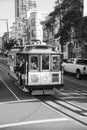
<point>82,35</point>
<point>82,29</point>
<point>69,12</point>
<point>10,44</point>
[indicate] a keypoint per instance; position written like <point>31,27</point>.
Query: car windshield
<point>82,62</point>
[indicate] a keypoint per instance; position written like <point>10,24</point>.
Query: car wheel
<point>78,74</point>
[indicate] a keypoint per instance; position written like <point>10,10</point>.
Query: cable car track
<point>66,108</point>
<point>76,90</point>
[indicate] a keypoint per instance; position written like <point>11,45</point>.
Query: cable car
<point>42,71</point>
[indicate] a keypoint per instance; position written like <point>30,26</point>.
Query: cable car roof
<point>16,49</point>
<point>35,49</point>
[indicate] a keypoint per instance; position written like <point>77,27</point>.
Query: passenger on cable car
<point>34,63</point>
<point>22,69</point>
<point>17,68</point>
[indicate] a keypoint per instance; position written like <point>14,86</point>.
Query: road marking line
<point>9,89</point>
<point>64,98</point>
<point>33,122</point>
<point>69,106</point>
<point>20,101</point>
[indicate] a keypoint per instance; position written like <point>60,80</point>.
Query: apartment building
<point>49,33</point>
<point>27,26</point>
<point>35,26</point>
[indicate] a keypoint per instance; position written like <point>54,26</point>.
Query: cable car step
<point>43,92</point>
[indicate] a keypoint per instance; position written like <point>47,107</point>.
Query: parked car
<point>77,66</point>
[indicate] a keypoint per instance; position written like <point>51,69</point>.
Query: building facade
<point>35,26</point>
<point>27,26</point>
<point>49,33</point>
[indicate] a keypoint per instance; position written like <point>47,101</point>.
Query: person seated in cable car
<point>34,63</point>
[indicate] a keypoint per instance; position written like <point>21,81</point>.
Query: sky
<point>7,11</point>
<point>46,5</point>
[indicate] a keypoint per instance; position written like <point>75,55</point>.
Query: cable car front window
<point>56,62</point>
<point>34,63</point>
<point>45,62</point>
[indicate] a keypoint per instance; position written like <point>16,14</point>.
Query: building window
<point>17,8</point>
<point>33,33</point>
<point>17,12</point>
<point>39,33</point>
<point>17,2</point>
<point>33,22</point>
<point>52,30</point>
<point>45,33</point>
<point>64,48</point>
<point>19,24</point>
<point>32,4</point>
<point>15,28</point>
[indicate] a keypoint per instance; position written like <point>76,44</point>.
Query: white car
<point>77,66</point>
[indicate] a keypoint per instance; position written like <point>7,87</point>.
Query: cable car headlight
<point>45,78</point>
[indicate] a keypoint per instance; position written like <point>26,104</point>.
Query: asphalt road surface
<point>66,110</point>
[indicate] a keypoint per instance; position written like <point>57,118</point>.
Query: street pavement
<point>34,115</point>
<point>25,111</point>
